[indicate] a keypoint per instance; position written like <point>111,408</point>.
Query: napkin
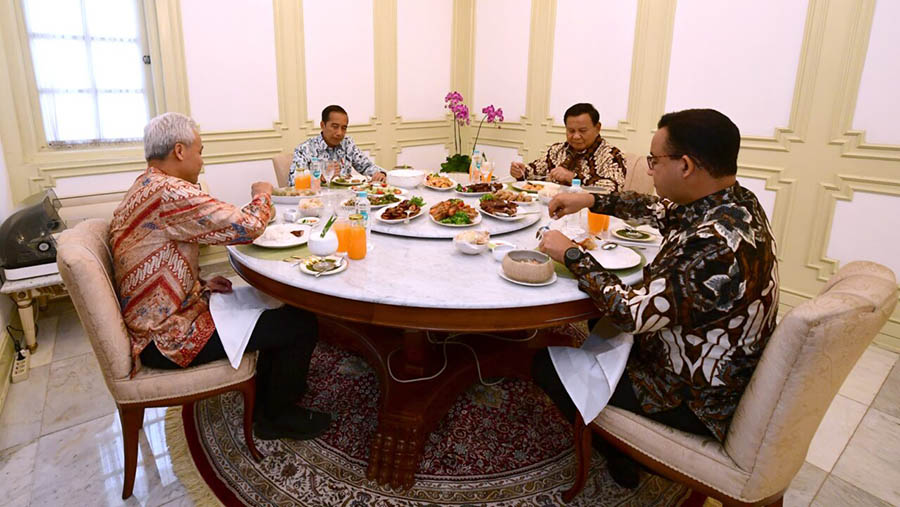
<point>590,373</point>
<point>620,257</point>
<point>235,314</point>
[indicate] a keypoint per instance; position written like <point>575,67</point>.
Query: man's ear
<point>322,125</point>
<point>178,151</point>
<point>687,170</point>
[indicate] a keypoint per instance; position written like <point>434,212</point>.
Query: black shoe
<point>297,424</point>
<point>623,469</point>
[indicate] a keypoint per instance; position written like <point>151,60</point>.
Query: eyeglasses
<point>651,159</point>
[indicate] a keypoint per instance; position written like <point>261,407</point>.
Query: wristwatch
<point>573,254</point>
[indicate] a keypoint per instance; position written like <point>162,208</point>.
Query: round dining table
<point>429,319</point>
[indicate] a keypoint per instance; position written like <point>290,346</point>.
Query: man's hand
<point>219,284</point>
<point>260,187</point>
<point>517,170</point>
<point>561,175</point>
<point>565,204</point>
<point>379,176</point>
<point>555,244</point>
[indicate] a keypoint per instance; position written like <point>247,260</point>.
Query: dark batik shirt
<point>599,165</point>
<point>706,306</point>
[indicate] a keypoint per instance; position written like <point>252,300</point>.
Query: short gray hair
<point>161,134</point>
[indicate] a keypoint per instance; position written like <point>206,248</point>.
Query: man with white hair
<point>155,235</point>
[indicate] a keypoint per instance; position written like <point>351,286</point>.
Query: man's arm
<point>191,215</point>
<point>360,161</point>
<point>538,169</point>
<point>646,209</point>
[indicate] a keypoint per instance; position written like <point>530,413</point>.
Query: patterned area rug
<point>503,445</point>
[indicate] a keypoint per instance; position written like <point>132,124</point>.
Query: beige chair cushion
<point>803,366</point>
<point>85,265</point>
<point>636,177</point>
<point>282,165</point>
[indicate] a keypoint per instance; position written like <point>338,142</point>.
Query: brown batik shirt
<point>706,306</point>
<point>600,165</point>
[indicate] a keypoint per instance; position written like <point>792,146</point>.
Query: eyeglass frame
<point>652,158</point>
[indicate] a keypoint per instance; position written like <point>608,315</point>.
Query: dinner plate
<point>505,218</point>
<point>293,241</point>
<point>527,284</point>
<point>348,183</point>
<point>475,221</point>
<point>635,235</point>
<point>475,194</point>
<point>368,189</point>
<point>399,220</point>
<point>292,199</point>
<point>620,257</point>
<point>518,185</point>
<point>373,206</point>
<point>439,189</point>
<point>308,220</point>
<point>342,267</point>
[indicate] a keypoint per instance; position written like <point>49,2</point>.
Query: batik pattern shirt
<point>347,153</point>
<point>155,236</point>
<point>600,165</point>
<point>706,306</point>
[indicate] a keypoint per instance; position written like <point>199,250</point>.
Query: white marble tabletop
<point>430,273</point>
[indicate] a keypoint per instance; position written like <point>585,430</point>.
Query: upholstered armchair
<point>86,268</point>
<point>636,177</point>
<point>804,364</point>
<point>281,163</point>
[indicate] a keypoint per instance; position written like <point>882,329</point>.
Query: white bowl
<point>500,249</point>
<point>469,248</point>
<point>405,178</point>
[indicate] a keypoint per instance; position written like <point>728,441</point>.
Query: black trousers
<point>285,338</point>
<point>545,376</point>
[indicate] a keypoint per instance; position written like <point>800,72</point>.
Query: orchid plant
<point>454,102</point>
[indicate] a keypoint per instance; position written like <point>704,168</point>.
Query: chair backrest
<point>85,265</point>
<point>636,177</point>
<point>282,165</point>
<point>804,364</point>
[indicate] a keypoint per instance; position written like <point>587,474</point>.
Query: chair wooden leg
<point>583,439</point>
<point>777,503</point>
<point>132,421</point>
<point>696,499</point>
<point>248,391</point>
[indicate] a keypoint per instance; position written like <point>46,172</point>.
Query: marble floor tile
<point>23,500</point>
<point>16,467</point>
<point>58,307</point>
<point>75,393</point>
<point>804,486</point>
<point>866,378</point>
<point>834,432</point>
<point>71,340</point>
<point>20,420</point>
<point>184,501</point>
<point>888,399</point>
<point>871,460</point>
<point>46,340</point>
<point>83,465</point>
<point>836,492</point>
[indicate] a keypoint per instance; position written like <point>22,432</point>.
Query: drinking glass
<point>357,247</point>
<point>342,229</point>
<point>597,223</point>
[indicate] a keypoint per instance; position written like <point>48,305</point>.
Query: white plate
<point>308,220</point>
<point>367,188</point>
<point>518,185</point>
<point>439,189</point>
<point>620,257</point>
<point>353,181</point>
<point>505,218</point>
<point>292,199</point>
<point>294,241</point>
<point>475,221</point>
<point>342,267</point>
<point>374,206</point>
<point>527,284</point>
<point>399,220</point>
<point>475,194</point>
<point>647,238</point>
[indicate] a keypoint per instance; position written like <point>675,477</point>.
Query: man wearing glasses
<point>707,304</point>
<point>585,155</point>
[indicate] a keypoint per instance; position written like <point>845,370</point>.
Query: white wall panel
<point>739,57</point>
<point>77,186</point>
<point>866,229</point>
<point>340,57</point>
<point>766,197</point>
<point>231,182</point>
<point>501,56</point>
<point>576,36</point>
<point>423,58</point>
<point>229,51</point>
<point>427,157</point>
<point>6,204</point>
<point>502,156</point>
<point>878,104</point>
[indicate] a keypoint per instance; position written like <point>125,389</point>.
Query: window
<point>92,78</point>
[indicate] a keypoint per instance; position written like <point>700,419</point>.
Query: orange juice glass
<point>597,223</point>
<point>487,172</point>
<point>342,229</point>
<point>302,180</point>
<point>357,249</point>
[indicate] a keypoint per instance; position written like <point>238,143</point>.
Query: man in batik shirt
<point>707,304</point>
<point>336,148</point>
<point>155,236</point>
<point>585,155</point>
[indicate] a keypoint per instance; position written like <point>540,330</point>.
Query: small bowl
<point>405,178</point>
<point>309,211</point>
<point>499,249</point>
<point>291,215</point>
<point>515,268</point>
<point>469,248</point>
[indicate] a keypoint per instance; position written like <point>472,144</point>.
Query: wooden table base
<point>409,411</point>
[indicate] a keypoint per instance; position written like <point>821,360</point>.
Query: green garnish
<point>458,218</point>
<point>460,188</point>
<point>418,201</point>
<point>328,225</point>
<point>487,197</point>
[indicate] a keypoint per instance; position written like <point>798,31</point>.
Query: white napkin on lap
<point>235,314</point>
<point>590,373</point>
